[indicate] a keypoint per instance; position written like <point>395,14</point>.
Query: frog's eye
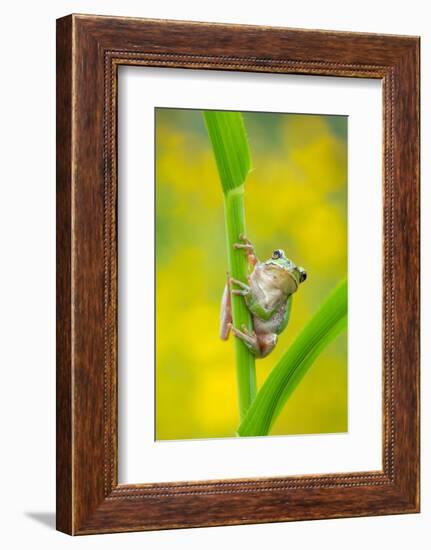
<point>302,274</point>
<point>277,254</point>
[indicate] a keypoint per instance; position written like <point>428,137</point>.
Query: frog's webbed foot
<point>246,245</point>
<point>243,290</point>
<point>260,345</point>
<point>249,339</point>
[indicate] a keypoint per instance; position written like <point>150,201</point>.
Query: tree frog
<point>268,296</point>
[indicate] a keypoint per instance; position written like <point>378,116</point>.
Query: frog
<point>267,295</point>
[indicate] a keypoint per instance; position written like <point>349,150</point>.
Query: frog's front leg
<point>243,290</point>
<point>226,305</point>
<point>246,245</point>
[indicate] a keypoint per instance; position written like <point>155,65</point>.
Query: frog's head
<point>284,272</point>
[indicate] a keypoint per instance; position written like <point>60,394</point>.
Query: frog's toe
<point>249,339</point>
<point>248,332</point>
<point>239,292</point>
<point>243,246</point>
<point>239,283</point>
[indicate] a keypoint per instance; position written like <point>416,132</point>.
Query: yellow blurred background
<point>296,199</point>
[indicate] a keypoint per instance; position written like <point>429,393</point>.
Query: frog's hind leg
<point>260,345</point>
<point>249,339</point>
<point>226,312</point>
<point>267,343</point>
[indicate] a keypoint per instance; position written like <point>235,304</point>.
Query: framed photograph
<point>237,274</point>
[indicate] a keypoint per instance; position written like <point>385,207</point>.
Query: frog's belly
<point>272,325</point>
<point>266,295</point>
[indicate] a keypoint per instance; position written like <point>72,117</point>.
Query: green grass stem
<point>230,147</point>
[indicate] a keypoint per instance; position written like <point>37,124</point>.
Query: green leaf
<point>327,322</point>
<point>229,141</point>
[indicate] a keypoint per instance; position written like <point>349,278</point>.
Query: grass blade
<point>328,321</point>
<point>230,147</point>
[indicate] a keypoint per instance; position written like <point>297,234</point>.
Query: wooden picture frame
<point>89,51</point>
